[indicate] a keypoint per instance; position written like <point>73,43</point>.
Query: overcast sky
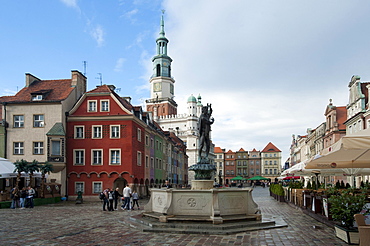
<point>269,68</point>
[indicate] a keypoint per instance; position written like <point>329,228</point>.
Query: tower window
<point>158,70</point>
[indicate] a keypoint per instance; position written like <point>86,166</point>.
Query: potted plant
<point>343,206</point>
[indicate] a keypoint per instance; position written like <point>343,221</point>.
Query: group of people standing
<point>110,199</point>
<point>22,198</point>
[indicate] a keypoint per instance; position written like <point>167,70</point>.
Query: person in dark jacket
<point>105,199</point>
<point>117,195</point>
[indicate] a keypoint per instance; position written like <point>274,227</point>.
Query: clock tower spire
<point>161,82</point>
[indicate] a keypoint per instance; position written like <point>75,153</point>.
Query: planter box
<point>349,236</point>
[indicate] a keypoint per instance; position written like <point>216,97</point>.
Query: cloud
<point>130,15</point>
<point>98,34</point>
<point>268,69</point>
<point>70,3</point>
<point>119,64</point>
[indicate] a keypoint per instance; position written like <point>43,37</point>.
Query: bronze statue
<point>204,123</point>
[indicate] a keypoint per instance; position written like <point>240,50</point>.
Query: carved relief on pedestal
<point>159,200</point>
<point>191,202</point>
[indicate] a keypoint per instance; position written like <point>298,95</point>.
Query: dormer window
<point>37,97</point>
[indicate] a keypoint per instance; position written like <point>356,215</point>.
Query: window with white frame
<point>79,131</point>
<point>151,162</point>
<point>115,157</point>
<point>146,140</point>
<point>96,157</point>
<point>104,105</point>
<point>79,186</point>
<point>97,187</point>
<point>38,120</point>
<point>91,106</point>
<point>146,161</point>
<point>97,133</point>
<point>79,157</point>
<point>38,148</point>
<point>18,148</point>
<point>18,121</point>
<point>266,171</point>
<point>55,148</point>
<point>139,158</point>
<point>114,132</point>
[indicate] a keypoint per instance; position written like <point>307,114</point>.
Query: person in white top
<point>127,197</point>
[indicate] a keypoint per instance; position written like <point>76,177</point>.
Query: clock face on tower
<point>157,86</point>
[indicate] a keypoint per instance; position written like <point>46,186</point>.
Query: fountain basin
<point>215,205</point>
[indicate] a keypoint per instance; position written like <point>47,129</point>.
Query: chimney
<point>30,79</point>
<point>78,81</point>
<point>111,87</point>
<point>128,99</point>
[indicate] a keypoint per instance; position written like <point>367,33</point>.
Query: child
<point>135,198</point>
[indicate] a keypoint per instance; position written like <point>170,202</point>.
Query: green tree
<point>20,166</point>
<point>45,169</point>
<point>33,167</point>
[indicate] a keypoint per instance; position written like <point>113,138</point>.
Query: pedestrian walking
<point>135,200</point>
<point>127,197</point>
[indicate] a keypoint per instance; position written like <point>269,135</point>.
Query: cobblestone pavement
<point>86,224</point>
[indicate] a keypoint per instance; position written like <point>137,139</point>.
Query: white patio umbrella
<point>351,155</point>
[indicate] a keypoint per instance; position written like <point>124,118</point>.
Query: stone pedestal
<point>202,184</point>
<point>215,205</point>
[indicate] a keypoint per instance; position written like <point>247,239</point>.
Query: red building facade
<point>105,141</point>
<point>111,143</point>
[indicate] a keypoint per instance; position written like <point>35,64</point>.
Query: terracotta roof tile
<point>270,148</point>
<point>56,91</point>
<point>218,150</point>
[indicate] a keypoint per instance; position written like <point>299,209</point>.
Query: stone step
<point>148,224</point>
